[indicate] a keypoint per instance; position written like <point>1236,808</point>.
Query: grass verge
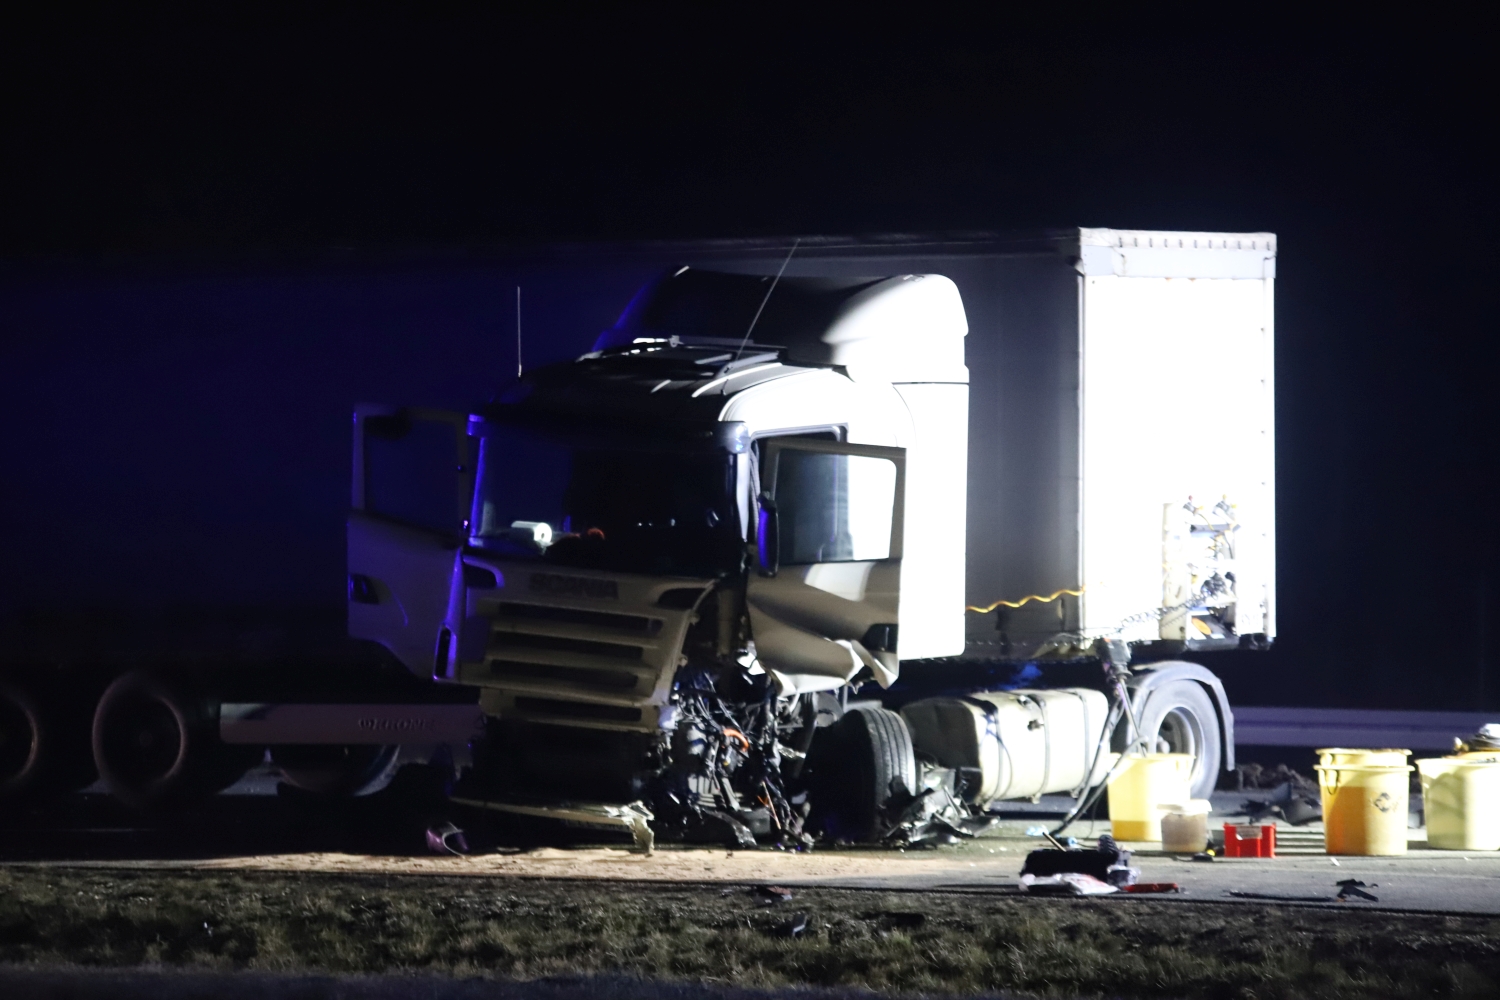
<point>892,942</point>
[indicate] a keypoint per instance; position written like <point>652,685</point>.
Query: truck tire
<point>157,746</point>
<point>856,766</point>
<point>335,771</point>
<point>44,750</point>
<point>1179,717</point>
<point>22,739</point>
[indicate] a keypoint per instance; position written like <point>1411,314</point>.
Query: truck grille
<point>599,659</point>
<point>639,624</point>
<point>506,641</point>
<point>590,677</point>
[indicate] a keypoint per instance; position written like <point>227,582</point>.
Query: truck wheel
<point>156,745</point>
<point>335,771</point>
<point>21,742</point>
<point>855,768</point>
<point>43,749</point>
<point>1178,717</point>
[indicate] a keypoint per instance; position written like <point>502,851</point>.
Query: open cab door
<point>413,481</point>
<point>824,597</point>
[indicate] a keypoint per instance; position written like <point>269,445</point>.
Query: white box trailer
<point>1121,431</point>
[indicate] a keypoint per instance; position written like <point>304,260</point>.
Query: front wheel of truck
<point>335,771</point>
<point>855,768</point>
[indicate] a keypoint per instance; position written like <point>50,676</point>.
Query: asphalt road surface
<point>254,828</point>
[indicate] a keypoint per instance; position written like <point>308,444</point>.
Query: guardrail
<point>1352,727</point>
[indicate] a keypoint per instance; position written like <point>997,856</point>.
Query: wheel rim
<point>144,742</point>
<point>1181,732</point>
<point>18,741</point>
<point>331,769</point>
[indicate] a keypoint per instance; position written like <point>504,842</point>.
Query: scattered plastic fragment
<point>795,927</point>
<point>773,893</point>
<point>445,838</point>
<point>1353,888</point>
<point>1153,887</point>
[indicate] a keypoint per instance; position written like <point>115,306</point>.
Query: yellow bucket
<point>1364,808</point>
<point>1461,796</point>
<point>1340,756</point>
<point>1143,785</point>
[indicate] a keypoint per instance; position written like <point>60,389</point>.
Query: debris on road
<point>1066,884</point>
<point>445,838</point>
<point>1355,889</point>
<point>1486,739</point>
<point>936,815</point>
<point>771,894</point>
<point>1154,887</point>
<point>1107,863</point>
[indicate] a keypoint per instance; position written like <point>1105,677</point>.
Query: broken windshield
<point>639,511</point>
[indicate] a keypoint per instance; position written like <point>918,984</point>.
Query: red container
<point>1257,841</point>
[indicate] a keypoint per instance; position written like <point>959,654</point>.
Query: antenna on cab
<point>767,298</point>
<point>518,332</point>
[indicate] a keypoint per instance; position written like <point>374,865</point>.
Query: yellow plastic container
<point>1339,756</point>
<point>1461,796</point>
<point>1364,808</point>
<point>1143,785</point>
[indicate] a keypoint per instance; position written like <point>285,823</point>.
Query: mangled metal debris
<point>633,818</point>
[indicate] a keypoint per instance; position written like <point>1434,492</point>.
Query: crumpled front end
<point>573,647</point>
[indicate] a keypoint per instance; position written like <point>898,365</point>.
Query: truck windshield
<point>605,508</point>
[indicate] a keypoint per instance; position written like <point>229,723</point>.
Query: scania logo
<point>558,585</point>
<point>393,725</point>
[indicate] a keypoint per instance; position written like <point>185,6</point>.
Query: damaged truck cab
<point>677,556</point>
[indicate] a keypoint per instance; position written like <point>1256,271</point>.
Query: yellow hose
<point>1029,597</point>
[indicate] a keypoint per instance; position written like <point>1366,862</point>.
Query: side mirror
<point>768,536</point>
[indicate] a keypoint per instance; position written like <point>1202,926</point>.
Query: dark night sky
<point>202,216</point>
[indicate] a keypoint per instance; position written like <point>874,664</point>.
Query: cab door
<point>413,481</point>
<point>824,596</point>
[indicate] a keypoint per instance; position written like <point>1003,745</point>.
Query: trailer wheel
<point>1179,717</point>
<point>44,749</point>
<point>335,771</point>
<point>856,766</point>
<point>156,745</point>
<point>21,742</point>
